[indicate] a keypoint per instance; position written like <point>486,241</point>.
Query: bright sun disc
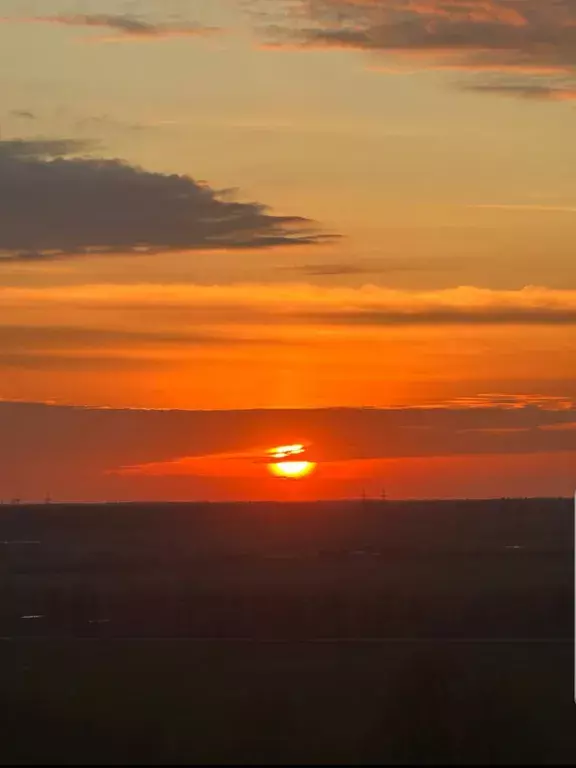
<point>293,469</point>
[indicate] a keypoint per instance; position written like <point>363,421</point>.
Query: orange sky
<point>289,206</point>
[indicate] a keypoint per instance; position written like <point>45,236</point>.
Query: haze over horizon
<point>229,225</point>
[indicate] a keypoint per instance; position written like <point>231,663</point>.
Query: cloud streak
<point>56,202</point>
<point>526,91</point>
<point>384,265</point>
<point>125,26</point>
<point>74,348</point>
<point>479,317</point>
<point>23,114</point>
<point>510,38</point>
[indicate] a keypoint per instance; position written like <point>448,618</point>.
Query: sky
<point>227,225</point>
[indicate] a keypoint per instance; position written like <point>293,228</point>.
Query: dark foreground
<point>410,633</point>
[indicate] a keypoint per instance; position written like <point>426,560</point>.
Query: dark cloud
<point>125,25</point>
<point>54,202</point>
<point>524,37</point>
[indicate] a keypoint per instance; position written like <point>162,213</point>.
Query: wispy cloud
<point>491,316</point>
<point>526,90</point>
<point>123,26</point>
<point>53,347</point>
<point>528,207</point>
<point>86,362</point>
<point>512,401</point>
<point>384,265</point>
<point>23,114</point>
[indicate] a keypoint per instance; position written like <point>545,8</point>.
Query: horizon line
<point>340,500</point>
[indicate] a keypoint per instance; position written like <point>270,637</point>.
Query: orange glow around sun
<point>287,467</point>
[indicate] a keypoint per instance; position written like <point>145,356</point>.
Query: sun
<point>289,467</point>
<point>293,469</point>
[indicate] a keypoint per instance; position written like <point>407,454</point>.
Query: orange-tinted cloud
<point>296,304</point>
<point>508,37</point>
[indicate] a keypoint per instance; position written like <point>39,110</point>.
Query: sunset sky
<point>229,225</point>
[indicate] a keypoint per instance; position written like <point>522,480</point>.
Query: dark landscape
<point>343,632</point>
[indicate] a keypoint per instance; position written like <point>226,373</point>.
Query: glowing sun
<point>289,467</point>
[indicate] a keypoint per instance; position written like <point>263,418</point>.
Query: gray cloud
<point>54,202</point>
<point>515,37</point>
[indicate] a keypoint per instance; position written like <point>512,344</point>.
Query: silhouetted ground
<point>411,633</point>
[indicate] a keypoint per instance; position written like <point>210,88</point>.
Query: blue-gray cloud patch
<point>57,200</point>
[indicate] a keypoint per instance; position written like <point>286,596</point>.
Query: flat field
<point>351,633</point>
